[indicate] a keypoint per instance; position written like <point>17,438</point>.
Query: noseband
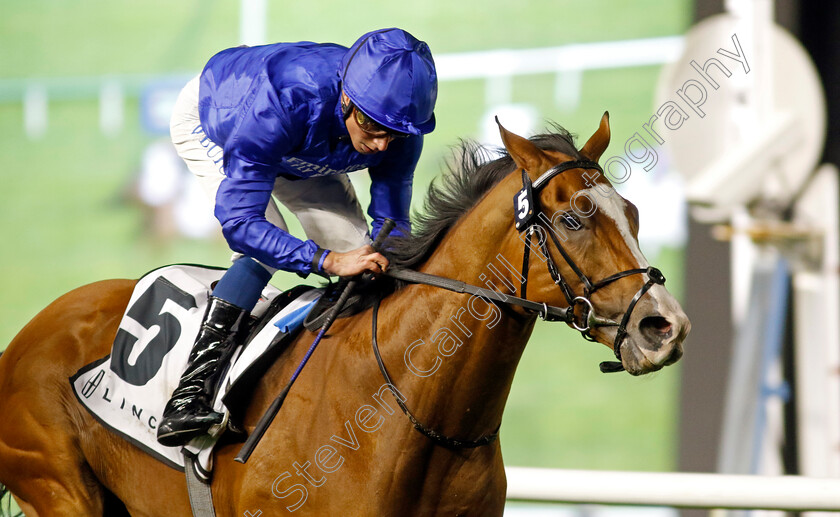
<point>526,210</point>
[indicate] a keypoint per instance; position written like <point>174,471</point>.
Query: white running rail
<point>677,489</point>
<point>574,57</point>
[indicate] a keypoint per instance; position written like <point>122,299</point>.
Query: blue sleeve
<point>391,180</point>
<point>262,136</point>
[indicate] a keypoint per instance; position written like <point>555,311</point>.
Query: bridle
<point>526,213</point>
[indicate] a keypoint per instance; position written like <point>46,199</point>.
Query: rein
<point>545,311</point>
<point>525,213</point>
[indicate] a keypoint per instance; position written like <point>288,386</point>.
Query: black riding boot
<point>189,412</point>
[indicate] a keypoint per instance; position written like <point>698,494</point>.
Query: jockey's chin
<point>366,144</point>
<point>366,149</point>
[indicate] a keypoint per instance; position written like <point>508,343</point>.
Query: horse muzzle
<point>655,336</point>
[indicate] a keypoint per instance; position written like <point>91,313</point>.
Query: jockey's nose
<point>381,143</point>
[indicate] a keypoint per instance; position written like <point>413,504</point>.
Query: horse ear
<point>524,153</point>
<point>597,143</point>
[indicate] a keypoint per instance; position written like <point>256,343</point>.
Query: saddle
<point>355,304</point>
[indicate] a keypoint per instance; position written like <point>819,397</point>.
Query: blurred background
<point>92,188</point>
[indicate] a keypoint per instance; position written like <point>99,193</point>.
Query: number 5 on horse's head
<point>581,251</point>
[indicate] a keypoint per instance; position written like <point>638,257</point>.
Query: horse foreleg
<point>27,509</point>
<point>45,495</point>
<point>40,460</point>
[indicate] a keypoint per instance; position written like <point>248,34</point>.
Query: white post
<point>816,292</point>
<point>252,22</point>
<point>111,107</point>
<point>35,111</point>
<point>752,99</point>
<point>567,88</point>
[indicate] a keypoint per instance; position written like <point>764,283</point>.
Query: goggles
<point>373,128</point>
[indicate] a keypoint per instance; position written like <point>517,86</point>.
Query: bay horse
<point>340,445</point>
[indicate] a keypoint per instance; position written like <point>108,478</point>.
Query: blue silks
<point>243,283</point>
<point>275,111</point>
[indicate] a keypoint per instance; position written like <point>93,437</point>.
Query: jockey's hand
<point>355,262</point>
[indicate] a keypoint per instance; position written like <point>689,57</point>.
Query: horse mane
<point>470,174</point>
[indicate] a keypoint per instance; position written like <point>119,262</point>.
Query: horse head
<point>582,240</point>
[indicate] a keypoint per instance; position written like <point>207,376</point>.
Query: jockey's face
<point>366,138</point>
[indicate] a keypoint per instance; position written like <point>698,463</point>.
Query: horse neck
<point>475,345</point>
<point>474,241</point>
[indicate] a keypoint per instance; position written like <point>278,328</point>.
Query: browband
<point>563,167</point>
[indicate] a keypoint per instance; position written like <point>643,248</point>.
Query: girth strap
<point>201,498</point>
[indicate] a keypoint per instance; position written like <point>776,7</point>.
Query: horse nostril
<point>657,324</point>
<point>655,328</point>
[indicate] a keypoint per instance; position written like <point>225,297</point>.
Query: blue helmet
<point>390,75</point>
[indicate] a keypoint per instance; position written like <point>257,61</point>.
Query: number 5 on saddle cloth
<point>127,390</point>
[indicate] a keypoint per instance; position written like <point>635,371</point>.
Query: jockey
<point>290,120</point>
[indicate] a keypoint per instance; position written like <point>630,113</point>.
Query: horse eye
<point>571,221</point>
